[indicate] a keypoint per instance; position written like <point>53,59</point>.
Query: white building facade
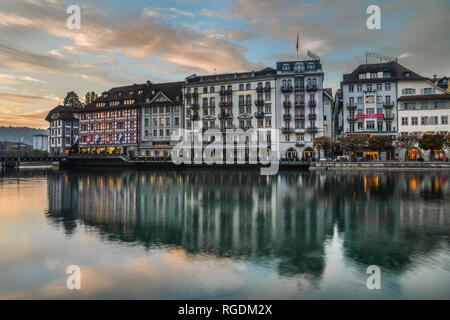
<point>40,142</point>
<point>63,130</point>
<point>236,101</point>
<point>299,100</point>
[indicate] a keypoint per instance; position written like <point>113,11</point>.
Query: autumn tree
<point>72,100</point>
<point>432,141</point>
<point>324,143</point>
<point>353,142</point>
<point>381,144</point>
<point>408,141</point>
<point>90,97</point>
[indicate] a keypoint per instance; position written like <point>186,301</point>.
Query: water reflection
<point>284,221</point>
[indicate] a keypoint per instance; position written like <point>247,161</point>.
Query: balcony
<point>312,103</point>
<point>312,116</point>
<point>195,94</point>
<point>227,92</point>
<point>205,105</point>
<point>287,104</point>
<point>286,89</point>
<point>389,117</point>
<point>352,118</point>
<point>259,114</point>
<point>267,89</point>
<point>299,103</point>
<point>225,104</point>
<point>311,87</point>
<point>287,117</point>
<point>225,115</point>
<point>312,129</point>
<point>351,106</point>
<point>194,117</point>
<point>299,144</point>
<point>299,117</point>
<point>259,102</point>
<point>195,106</point>
<point>299,88</point>
<point>388,105</point>
<point>188,95</point>
<point>259,89</point>
<point>287,130</point>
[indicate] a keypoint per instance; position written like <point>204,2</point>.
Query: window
<point>424,106</point>
<point>350,88</point>
<point>404,121</point>
<point>359,88</point>
<point>360,125</point>
<point>362,76</point>
<point>373,75</point>
<point>370,125</point>
<point>205,90</point>
<point>286,67</point>
<point>211,90</point>
<point>248,86</point>
<point>370,99</point>
<point>408,91</point>
<point>379,87</point>
<point>387,87</point>
<point>439,105</point>
<point>241,87</point>
<point>427,90</point>
<point>424,121</point>
<point>370,110</point>
<point>414,121</point>
<point>386,75</point>
<point>444,119</point>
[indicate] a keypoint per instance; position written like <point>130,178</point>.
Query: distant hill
<point>13,134</point>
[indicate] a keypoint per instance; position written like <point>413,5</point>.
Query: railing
<point>259,102</point>
<point>259,89</point>
<point>267,88</point>
<point>388,104</point>
<point>287,104</point>
<point>286,89</point>
<point>311,87</point>
<point>286,130</point>
<point>312,116</point>
<point>299,103</point>
<point>287,117</point>
<point>312,103</point>
<point>299,88</point>
<point>259,114</point>
<point>351,105</point>
<point>299,117</point>
<point>312,129</point>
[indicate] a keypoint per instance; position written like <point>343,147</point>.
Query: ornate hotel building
<point>110,124</point>
<point>160,114</point>
<point>231,101</point>
<point>370,98</point>
<point>135,120</point>
<point>299,99</point>
<point>63,130</point>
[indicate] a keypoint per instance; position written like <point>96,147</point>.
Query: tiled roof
<point>194,79</point>
<point>63,113</point>
<point>425,97</point>
<point>398,72</point>
<point>149,90</point>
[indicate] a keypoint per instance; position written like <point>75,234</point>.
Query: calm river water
<point>224,234</point>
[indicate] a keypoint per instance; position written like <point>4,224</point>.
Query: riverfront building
<point>110,123</point>
<point>160,113</point>
<point>63,130</point>
<point>40,142</point>
<point>231,101</point>
<point>370,98</point>
<point>299,101</point>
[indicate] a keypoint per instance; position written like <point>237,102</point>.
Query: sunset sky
<point>126,42</point>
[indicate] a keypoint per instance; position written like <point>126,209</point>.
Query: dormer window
<point>248,86</point>
<point>299,67</point>
<point>286,67</point>
<point>386,74</point>
<point>362,75</point>
<point>311,66</point>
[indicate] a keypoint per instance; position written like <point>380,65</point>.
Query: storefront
<point>413,154</point>
<point>436,154</point>
<point>371,155</point>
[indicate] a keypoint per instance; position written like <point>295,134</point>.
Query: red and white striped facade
<point>105,127</point>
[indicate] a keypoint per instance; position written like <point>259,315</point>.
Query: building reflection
<point>283,221</point>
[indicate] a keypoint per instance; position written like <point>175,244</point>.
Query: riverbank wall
<point>381,165</point>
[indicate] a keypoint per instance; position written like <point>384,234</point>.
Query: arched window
<point>286,67</point>
<point>311,66</point>
<point>299,67</point>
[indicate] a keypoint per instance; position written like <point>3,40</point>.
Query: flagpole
<point>297,46</point>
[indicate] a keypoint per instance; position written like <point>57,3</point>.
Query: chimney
<point>435,79</point>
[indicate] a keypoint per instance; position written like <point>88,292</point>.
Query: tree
<point>381,144</point>
<point>432,141</point>
<point>90,97</point>
<point>324,143</point>
<point>353,142</point>
<point>408,141</point>
<point>72,100</point>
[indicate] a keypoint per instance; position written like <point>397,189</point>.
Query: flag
<point>297,42</point>
<point>122,138</point>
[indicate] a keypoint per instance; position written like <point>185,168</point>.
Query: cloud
<point>32,120</point>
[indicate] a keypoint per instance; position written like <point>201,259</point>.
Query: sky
<point>126,42</point>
